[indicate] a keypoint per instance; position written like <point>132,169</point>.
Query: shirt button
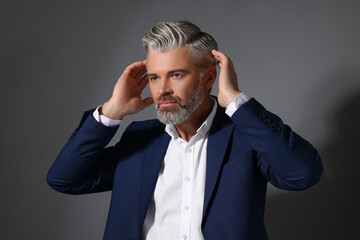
<point>189,150</point>
<point>186,208</point>
<point>187,179</point>
<point>184,236</point>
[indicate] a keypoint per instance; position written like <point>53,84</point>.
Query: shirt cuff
<point>105,120</point>
<point>239,100</point>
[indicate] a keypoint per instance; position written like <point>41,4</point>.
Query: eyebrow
<point>170,72</point>
<point>179,70</point>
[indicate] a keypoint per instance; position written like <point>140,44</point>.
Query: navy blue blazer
<point>244,153</point>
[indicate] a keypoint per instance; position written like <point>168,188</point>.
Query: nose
<point>165,87</point>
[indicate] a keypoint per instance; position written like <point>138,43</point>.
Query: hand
<point>126,98</point>
<point>228,85</point>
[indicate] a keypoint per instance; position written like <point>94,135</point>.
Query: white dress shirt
<point>175,210</point>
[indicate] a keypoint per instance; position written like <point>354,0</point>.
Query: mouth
<point>167,104</point>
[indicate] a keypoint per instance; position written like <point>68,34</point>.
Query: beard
<point>181,112</point>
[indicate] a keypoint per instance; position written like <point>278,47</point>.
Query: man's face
<point>175,84</point>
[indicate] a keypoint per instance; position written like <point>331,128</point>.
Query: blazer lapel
<point>153,157</point>
<point>155,151</point>
<point>218,140</point>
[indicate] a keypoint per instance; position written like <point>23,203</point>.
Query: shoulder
<point>140,133</point>
<point>145,127</point>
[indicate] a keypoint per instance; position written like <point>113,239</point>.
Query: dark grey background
<point>301,59</point>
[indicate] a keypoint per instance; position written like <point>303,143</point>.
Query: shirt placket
<point>187,189</point>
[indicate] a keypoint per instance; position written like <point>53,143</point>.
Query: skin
<point>174,74</point>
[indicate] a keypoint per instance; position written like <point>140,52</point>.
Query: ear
<point>210,77</point>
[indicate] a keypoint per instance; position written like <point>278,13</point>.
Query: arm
<point>284,158</point>
<point>84,165</point>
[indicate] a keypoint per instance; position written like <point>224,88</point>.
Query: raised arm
<point>286,159</point>
<point>84,165</point>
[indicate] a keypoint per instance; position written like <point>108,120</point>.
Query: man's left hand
<point>228,85</point>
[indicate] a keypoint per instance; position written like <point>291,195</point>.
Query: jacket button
<point>262,116</point>
<point>277,129</point>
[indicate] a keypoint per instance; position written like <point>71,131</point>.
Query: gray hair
<point>167,36</point>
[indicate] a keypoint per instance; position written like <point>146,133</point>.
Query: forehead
<point>179,58</point>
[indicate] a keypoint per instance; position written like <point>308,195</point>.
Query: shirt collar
<point>203,129</point>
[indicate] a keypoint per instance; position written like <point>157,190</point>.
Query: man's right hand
<point>126,97</point>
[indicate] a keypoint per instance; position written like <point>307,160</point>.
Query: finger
<point>141,71</point>
<point>218,55</point>
<point>217,52</point>
<point>148,101</point>
<point>143,82</point>
<point>134,68</point>
<point>222,57</point>
<point>140,74</point>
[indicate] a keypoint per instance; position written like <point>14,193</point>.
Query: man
<point>201,171</point>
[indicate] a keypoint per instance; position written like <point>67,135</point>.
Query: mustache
<point>168,98</point>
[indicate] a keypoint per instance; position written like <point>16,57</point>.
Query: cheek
<point>153,91</point>
<point>187,88</point>
<point>182,92</point>
<point>190,88</point>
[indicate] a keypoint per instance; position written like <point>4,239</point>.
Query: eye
<point>177,75</point>
<point>154,79</point>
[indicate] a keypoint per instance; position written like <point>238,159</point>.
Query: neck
<point>188,128</point>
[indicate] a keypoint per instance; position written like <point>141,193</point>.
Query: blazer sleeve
<point>84,165</point>
<point>287,160</point>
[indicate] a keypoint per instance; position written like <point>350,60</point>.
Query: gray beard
<point>182,111</point>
